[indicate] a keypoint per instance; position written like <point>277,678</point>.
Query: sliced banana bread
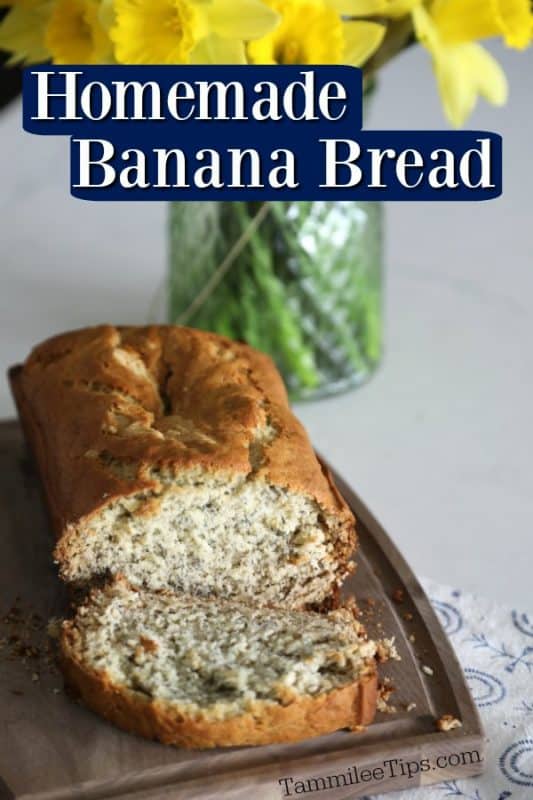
<point>170,455</point>
<point>201,673</point>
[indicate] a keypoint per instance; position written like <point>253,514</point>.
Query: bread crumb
<point>410,706</point>
<point>427,670</point>
<point>23,638</point>
<point>386,651</point>
<point>349,604</point>
<point>384,707</point>
<point>148,644</point>
<point>145,646</point>
<point>412,638</point>
<point>398,595</point>
<point>407,616</point>
<point>448,723</point>
<point>386,690</point>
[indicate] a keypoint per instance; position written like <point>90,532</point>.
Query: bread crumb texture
<point>171,456</point>
<point>214,658</point>
<point>448,723</point>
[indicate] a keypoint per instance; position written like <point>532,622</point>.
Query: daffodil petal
<point>468,20</point>
<point>491,81</point>
<point>425,29</point>
<point>75,35</point>
<point>399,8</point>
<point>362,39</point>
<point>241,19</point>
<point>373,8</point>
<point>142,33</point>
<point>463,71</point>
<point>516,21</point>
<point>22,33</point>
<point>106,14</point>
<point>457,90</point>
<point>215,50</point>
<point>358,8</point>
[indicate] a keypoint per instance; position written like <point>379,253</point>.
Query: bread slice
<point>202,673</point>
<point>171,456</point>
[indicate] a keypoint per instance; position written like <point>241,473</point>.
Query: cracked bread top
<point>117,411</point>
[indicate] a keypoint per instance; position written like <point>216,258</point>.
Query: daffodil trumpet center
<point>309,31</point>
<point>75,34</point>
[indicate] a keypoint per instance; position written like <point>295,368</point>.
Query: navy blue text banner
<point>246,133</point>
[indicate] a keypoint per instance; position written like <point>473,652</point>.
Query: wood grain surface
<point>53,749</point>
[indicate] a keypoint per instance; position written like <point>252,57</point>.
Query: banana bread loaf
<point>170,455</point>
<point>198,672</point>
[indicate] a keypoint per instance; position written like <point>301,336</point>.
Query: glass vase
<point>301,281</point>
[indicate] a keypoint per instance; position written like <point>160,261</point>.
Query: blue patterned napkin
<point>495,647</point>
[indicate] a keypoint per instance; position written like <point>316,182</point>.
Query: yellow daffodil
<point>466,20</point>
<point>381,8</point>
<point>75,34</point>
<point>463,71</point>
<point>187,31</point>
<point>22,30</point>
<point>106,13</point>
<point>318,32</point>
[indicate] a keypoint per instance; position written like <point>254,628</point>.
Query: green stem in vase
<point>283,329</point>
<point>300,281</point>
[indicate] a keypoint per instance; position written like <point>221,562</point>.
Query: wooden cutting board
<point>53,749</point>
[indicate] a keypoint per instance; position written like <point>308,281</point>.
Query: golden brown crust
<point>106,408</point>
<point>352,706</point>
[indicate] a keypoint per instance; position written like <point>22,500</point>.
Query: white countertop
<point>440,442</point>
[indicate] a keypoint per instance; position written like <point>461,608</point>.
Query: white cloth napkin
<point>495,647</point>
